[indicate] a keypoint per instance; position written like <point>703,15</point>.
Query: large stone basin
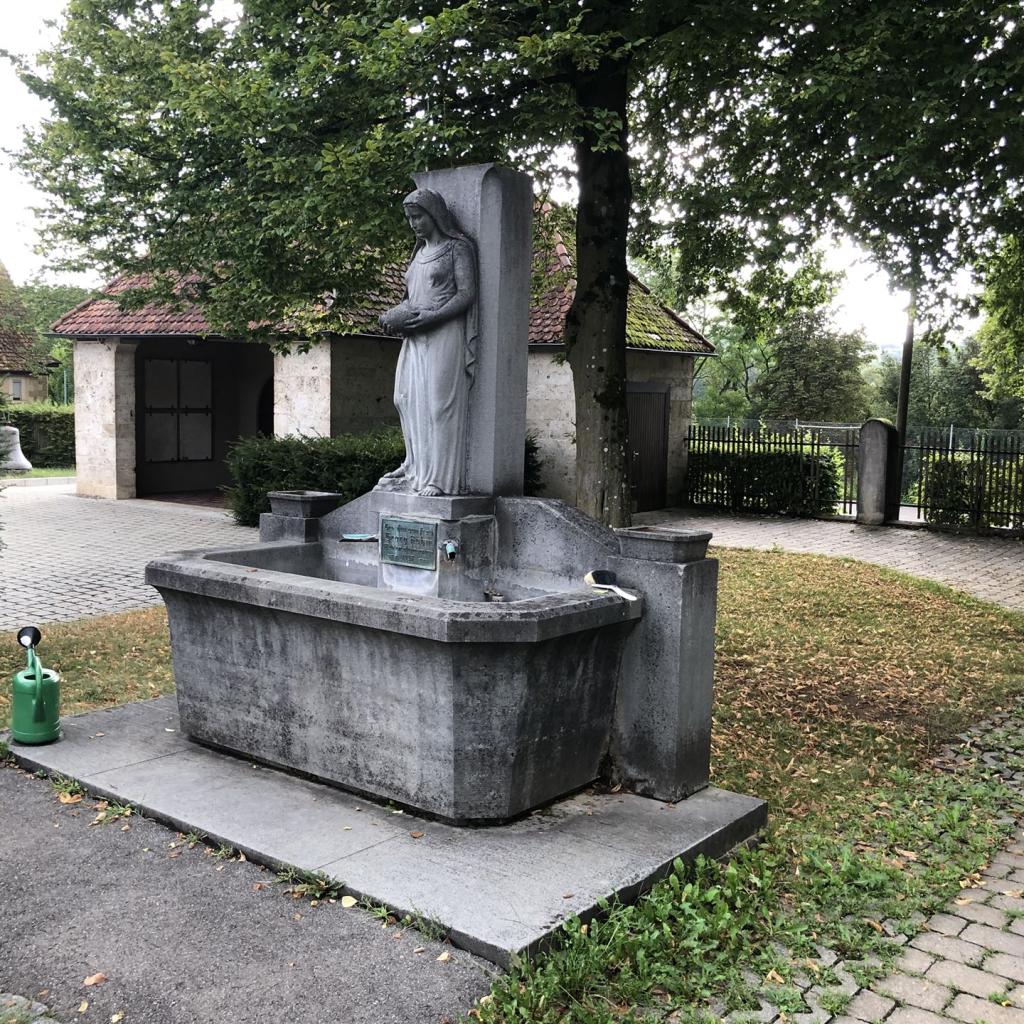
<point>470,711</point>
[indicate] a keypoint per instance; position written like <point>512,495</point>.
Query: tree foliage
<point>45,302</point>
<point>267,157</point>
<point>779,355</point>
<point>1001,337</point>
<point>818,373</point>
<point>947,387</point>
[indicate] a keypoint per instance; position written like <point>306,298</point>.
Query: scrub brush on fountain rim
<point>605,579</point>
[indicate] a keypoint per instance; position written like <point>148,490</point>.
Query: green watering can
<point>35,702</point>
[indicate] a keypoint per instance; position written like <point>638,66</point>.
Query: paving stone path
<point>966,964</point>
<point>991,568</point>
<point>63,557</point>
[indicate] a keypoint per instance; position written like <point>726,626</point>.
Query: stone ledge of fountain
<point>223,576</point>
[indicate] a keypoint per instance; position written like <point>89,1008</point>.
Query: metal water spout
<point>11,456</point>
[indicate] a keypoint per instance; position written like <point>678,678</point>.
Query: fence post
<point>878,487</point>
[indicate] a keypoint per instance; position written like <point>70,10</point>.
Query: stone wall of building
<point>32,387</point>
<point>677,371</point>
<point>551,419</point>
<point>105,418</point>
<point>302,391</point>
<point>363,384</point>
<point>550,414</point>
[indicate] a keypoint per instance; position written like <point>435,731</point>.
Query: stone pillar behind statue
<point>494,205</point>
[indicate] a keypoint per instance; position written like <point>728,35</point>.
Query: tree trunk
<point>903,397</point>
<point>595,328</point>
<point>895,483</point>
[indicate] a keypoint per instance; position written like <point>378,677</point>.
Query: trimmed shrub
<point>960,491</point>
<point>47,432</point>
<point>533,487</point>
<point>348,465</point>
<point>783,483</point>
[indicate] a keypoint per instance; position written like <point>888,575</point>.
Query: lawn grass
<point>103,661</point>
<point>835,682</point>
<point>41,472</point>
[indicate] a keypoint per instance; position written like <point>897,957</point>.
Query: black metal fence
<point>779,468</point>
<point>965,479</point>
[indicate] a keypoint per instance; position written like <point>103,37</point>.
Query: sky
<point>865,301</point>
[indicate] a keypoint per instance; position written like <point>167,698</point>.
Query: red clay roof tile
<point>649,324</point>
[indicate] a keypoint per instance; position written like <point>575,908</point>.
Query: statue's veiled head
<point>433,205</point>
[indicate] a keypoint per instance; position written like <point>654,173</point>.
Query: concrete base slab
<point>500,890</point>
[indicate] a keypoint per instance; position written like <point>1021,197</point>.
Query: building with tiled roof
<point>186,392</point>
<point>20,380</point>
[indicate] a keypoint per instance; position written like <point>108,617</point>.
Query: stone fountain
<point>433,643</point>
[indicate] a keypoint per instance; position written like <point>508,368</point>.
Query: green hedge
<point>349,465</point>
<point>958,491</point>
<point>784,483</point>
<point>47,432</point>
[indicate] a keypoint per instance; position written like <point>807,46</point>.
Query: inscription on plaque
<point>408,542</point>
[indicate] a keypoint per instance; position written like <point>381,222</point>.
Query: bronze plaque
<point>408,542</point>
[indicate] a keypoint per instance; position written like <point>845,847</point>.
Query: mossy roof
<point>649,326</point>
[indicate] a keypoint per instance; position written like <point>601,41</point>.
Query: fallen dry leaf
<point>116,1018</point>
<point>444,957</point>
<point>774,977</point>
<point>416,835</point>
<point>69,798</point>
<point>83,1006</point>
<point>95,979</point>
<point>348,901</point>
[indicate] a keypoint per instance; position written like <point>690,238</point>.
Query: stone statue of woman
<point>437,320</point>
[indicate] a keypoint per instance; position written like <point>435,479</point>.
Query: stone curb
<point>15,1009</point>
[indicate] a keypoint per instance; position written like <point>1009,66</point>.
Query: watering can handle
<point>35,666</point>
<point>37,704</point>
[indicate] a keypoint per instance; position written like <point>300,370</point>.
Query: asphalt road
<point>186,938</point>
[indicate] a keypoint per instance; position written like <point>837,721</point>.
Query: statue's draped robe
<point>433,377</point>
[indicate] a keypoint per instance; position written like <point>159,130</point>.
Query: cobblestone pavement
<point>63,557</point>
<point>991,568</point>
<point>966,964</point>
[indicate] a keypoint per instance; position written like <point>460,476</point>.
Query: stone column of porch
<point>105,454</point>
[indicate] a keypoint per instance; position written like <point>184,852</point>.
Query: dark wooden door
<point>647,405</point>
